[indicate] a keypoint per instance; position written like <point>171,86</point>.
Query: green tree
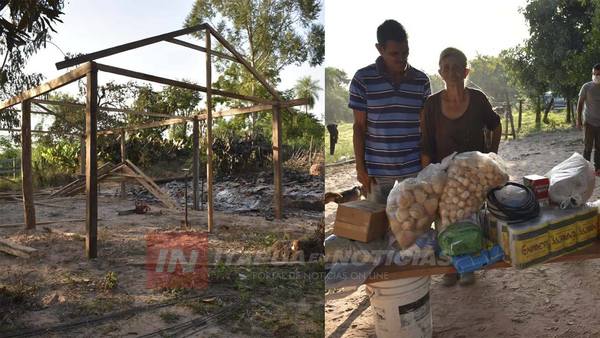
<point>558,41</point>
<point>24,28</point>
<point>306,87</point>
<point>336,96</point>
<point>270,34</point>
<point>523,70</point>
<point>489,74</point>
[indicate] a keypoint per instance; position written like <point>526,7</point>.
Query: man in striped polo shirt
<point>387,98</point>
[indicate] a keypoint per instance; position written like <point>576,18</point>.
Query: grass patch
<point>271,296</point>
<point>99,306</point>
<point>556,122</point>
<point>169,317</point>
<point>110,281</point>
<point>344,149</point>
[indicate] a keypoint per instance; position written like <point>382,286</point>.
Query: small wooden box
<point>361,220</point>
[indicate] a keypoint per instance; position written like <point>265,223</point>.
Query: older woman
<point>454,119</point>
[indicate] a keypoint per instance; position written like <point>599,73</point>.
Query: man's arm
<point>496,135</point>
<point>580,103</point>
<point>358,139</point>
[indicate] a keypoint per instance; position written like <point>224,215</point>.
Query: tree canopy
<point>336,96</point>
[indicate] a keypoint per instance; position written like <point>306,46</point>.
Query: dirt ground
<point>551,300</point>
<point>59,285</point>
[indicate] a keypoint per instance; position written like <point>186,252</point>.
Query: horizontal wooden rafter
<point>202,116</point>
<point>36,131</point>
<point>44,88</point>
<point>111,109</point>
<point>200,48</point>
<point>127,46</point>
<point>176,83</point>
<point>153,124</point>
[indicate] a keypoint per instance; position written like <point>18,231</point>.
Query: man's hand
<point>578,124</point>
<point>364,179</point>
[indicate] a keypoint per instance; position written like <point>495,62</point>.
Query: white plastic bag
<point>470,176</point>
<point>412,204</point>
<point>572,182</point>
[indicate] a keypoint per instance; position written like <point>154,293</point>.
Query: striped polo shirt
<point>393,131</point>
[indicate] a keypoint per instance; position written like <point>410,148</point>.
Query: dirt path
<point>59,285</point>
<point>552,300</point>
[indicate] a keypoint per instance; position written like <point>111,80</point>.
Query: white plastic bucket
<point>401,308</point>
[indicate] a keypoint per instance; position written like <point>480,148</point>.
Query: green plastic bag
<point>460,238</point>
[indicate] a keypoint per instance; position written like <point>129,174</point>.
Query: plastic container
<point>401,308</point>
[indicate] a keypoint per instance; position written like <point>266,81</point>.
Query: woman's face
<point>452,70</point>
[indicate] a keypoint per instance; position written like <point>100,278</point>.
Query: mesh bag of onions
<point>412,204</point>
<point>470,176</point>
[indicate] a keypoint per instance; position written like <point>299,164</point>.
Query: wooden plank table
<point>390,272</point>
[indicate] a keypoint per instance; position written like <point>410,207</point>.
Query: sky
<point>473,26</point>
<point>93,25</point>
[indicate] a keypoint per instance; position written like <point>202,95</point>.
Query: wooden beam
<point>176,83</point>
<point>44,88</point>
<point>195,163</point>
<point>209,135</point>
<point>17,225</point>
<point>127,46</point>
<point>16,249</point>
<point>34,131</point>
<point>243,61</point>
<point>91,165</point>
<point>153,124</point>
<point>26,170</point>
<point>110,109</point>
<point>123,159</point>
<point>276,140</point>
<point>56,115</point>
<point>201,116</point>
<point>202,49</point>
<point>149,184</point>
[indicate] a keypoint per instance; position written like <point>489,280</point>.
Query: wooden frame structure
<point>88,68</point>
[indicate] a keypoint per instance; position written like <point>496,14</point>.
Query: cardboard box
<point>553,233</point>
<point>360,220</point>
<point>539,185</point>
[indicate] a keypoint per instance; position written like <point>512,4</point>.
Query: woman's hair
<point>451,51</point>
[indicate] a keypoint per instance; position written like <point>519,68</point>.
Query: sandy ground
<point>551,300</point>
<point>61,269</point>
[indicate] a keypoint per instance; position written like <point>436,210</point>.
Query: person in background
<point>387,98</point>
<point>589,96</point>
<point>454,120</point>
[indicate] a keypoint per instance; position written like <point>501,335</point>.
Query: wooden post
<point>91,178</point>
<point>276,140</point>
<point>195,163</point>
<point>82,155</point>
<point>209,139</point>
<point>14,163</point>
<point>123,158</point>
<point>26,171</point>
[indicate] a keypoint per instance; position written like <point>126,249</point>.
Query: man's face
<point>395,55</point>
